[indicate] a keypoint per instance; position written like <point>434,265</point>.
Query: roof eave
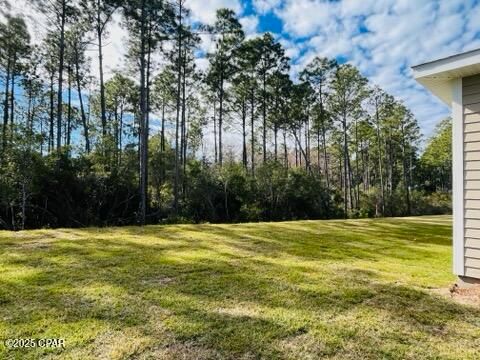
<point>441,88</point>
<point>437,76</point>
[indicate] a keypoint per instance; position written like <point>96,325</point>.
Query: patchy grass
<point>357,289</point>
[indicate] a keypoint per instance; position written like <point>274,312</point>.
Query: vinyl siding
<point>471,147</point>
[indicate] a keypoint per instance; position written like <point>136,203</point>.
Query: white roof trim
<point>437,76</point>
<point>441,68</point>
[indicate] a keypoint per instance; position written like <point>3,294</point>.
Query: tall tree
<point>319,74</point>
<point>190,79</point>
<point>228,38</point>
<point>15,45</point>
<point>279,88</point>
<point>436,160</point>
<point>150,23</point>
<point>33,86</point>
<point>163,101</point>
<point>120,100</point>
<point>241,88</point>
<point>382,105</point>
<point>99,13</point>
<point>61,13</point>
<point>77,43</point>
<point>348,93</point>
<point>271,58</point>
<point>407,137</point>
<point>50,65</point>
<point>248,59</point>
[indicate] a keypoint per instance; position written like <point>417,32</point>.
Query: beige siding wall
<point>471,137</point>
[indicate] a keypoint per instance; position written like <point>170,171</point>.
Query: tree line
<point>153,142</point>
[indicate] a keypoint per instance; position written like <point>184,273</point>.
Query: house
<point>456,81</point>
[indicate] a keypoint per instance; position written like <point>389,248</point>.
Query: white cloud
<point>473,19</point>
<point>207,45</point>
<point>201,63</point>
<point>306,17</point>
<point>292,49</point>
<point>264,6</point>
<point>204,10</point>
<point>35,21</point>
<point>250,24</point>
<point>384,39</point>
<point>114,49</point>
<point>349,8</point>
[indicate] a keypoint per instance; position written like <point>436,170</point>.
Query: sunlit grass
<point>357,289</point>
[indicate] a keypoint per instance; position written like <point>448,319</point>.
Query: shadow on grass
<point>235,293</point>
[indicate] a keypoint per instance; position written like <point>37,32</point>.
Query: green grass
<point>357,289</point>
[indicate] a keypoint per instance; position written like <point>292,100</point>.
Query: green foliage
<point>436,161</point>
<point>433,203</point>
<point>162,140</point>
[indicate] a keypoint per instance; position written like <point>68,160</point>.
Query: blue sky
<point>383,38</point>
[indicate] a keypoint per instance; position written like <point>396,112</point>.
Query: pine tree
<point>228,38</point>
<point>15,45</point>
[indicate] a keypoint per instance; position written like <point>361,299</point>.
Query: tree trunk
<point>307,145</point>
<point>120,135</point>
<point>345,167</point>
<point>24,204</point>
<point>264,113</point>
<point>143,118</point>
<point>69,114</point>
<point>302,151</point>
<point>215,130</point>
<point>350,184</point>
<point>116,126</point>
<point>12,102</point>
<point>300,145</point>
<point>220,121</point>
<point>324,140</point>
<point>275,135</point>
<point>100,69</point>
<point>29,124</point>
<point>252,128</point>
<point>177,120</point>
<point>357,168</point>
<point>183,146</point>
<point>60,75</point>
<point>147,114</point>
<point>183,142</point>
<point>244,134</point>
<point>82,108</point>
<point>162,144</point>
<point>296,155</point>
<point>5,108</point>
<point>318,151</point>
<point>380,160</point>
<point>390,173</point>
<point>325,155</point>
<point>406,183</point>
<point>51,140</point>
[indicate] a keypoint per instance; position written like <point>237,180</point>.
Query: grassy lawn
<point>357,289</point>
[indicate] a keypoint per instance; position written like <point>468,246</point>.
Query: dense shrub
<point>435,203</point>
<point>63,191</point>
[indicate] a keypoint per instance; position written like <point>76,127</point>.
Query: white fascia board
<point>448,68</point>
<point>437,75</point>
